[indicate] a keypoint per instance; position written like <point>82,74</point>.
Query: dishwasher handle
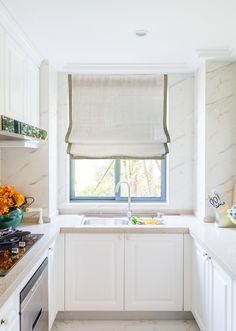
<point>35,323</point>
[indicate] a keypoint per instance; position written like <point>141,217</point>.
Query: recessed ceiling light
<point>141,33</point>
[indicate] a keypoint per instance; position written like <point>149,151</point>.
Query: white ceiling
<point>103,31</point>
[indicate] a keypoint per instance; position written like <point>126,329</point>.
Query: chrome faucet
<point>129,197</point>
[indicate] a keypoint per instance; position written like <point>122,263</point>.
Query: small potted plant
<point>12,204</point>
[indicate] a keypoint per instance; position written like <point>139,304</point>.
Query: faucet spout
<point>129,196</point>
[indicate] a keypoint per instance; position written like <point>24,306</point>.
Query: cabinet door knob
<point>3,322</point>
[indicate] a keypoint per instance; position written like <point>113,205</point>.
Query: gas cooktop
<point>14,244</point>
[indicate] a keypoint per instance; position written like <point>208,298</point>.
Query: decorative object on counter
<point>232,214</point>
<point>215,200</point>
<point>10,125</point>
<point>12,204</point>
<point>220,210</point>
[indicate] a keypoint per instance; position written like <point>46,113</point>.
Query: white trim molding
<point>199,56</point>
<point>126,68</point>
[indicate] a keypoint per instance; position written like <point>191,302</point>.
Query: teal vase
<point>11,219</point>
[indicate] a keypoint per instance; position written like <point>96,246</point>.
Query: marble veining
<point>157,325</point>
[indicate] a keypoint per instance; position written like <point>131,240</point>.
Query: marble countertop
<point>70,224</point>
<point>219,243</point>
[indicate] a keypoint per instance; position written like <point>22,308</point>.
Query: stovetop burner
<point>14,244</point>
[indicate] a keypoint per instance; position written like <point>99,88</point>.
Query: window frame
<point>117,198</point>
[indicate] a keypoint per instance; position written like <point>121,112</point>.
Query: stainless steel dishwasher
<point>34,301</point>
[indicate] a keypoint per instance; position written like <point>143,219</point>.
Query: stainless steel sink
<point>105,221</point>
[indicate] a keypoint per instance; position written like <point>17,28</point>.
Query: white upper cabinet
<point>154,272</point>
<point>220,298</point>
<point>2,72</point>
<point>31,93</point>
<point>14,80</point>
<point>94,272</point>
<point>19,81</point>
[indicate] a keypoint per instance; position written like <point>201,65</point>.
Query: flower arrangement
<point>10,199</point>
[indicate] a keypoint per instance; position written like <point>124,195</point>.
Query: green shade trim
<point>165,108</point>
<point>70,114</point>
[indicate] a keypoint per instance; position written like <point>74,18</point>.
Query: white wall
<point>180,172</point>
<point>215,133</point>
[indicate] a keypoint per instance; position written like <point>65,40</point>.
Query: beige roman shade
<point>117,116</point>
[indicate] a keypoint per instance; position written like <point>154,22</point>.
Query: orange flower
<point>19,199</point>
<point>10,199</point>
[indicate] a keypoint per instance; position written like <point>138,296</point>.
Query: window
<point>92,180</point>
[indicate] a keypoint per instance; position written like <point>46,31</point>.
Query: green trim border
<point>70,114</point>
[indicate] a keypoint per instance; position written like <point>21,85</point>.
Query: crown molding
<point>209,54</point>
<point>11,27</point>
<point>126,68</point>
<point>199,57</point>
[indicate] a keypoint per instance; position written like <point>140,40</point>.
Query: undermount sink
<point>105,221</point>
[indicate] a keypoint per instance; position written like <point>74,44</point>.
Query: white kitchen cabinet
<point>9,314</point>
<point>234,307</point>
<point>31,93</point>
<point>94,270</point>
<point>14,326</point>
<point>220,298</point>
<point>14,79</point>
<point>19,82</point>
<point>200,274</point>
<point>212,293</point>
<point>154,272</point>
<point>2,73</point>
<point>52,304</point>
<point>55,278</point>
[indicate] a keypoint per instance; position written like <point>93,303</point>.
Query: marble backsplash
<point>220,128</point>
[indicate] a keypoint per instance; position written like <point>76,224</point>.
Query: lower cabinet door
<point>52,304</point>
<point>94,267</point>
<point>154,272</point>
<point>234,307</point>
<point>14,326</point>
<point>200,288</point>
<point>220,299</point>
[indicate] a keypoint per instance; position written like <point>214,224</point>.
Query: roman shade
<point>117,117</point>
